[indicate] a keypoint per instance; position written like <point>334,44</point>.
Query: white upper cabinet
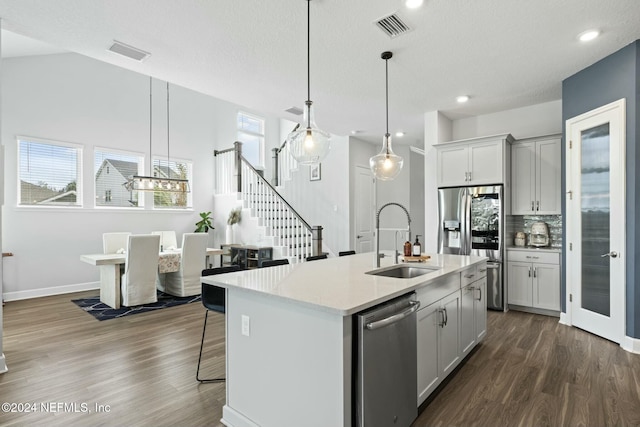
<point>477,161</point>
<point>535,170</point>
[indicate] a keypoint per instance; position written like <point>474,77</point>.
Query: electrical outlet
<point>245,325</point>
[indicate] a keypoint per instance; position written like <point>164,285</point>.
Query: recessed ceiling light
<point>413,4</point>
<point>462,99</point>
<point>399,134</point>
<point>588,35</point>
<point>355,132</point>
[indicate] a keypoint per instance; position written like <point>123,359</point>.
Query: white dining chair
<point>138,282</point>
<point>114,242</point>
<point>168,239</point>
<point>186,281</point>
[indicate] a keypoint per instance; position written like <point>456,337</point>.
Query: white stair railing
<point>235,174</point>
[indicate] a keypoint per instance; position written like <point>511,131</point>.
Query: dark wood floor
<point>532,371</point>
<point>529,371</point>
<point>142,366</point>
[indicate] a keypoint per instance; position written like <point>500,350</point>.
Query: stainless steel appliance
<point>472,223</point>
<point>386,369</point>
<point>539,235</point>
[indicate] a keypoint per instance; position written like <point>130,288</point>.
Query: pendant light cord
<point>150,123</point>
<point>308,63</point>
<point>168,166</point>
<point>386,79</point>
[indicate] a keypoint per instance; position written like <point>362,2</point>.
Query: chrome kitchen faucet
<point>408,229</point>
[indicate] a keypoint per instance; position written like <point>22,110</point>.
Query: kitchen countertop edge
<point>338,285</point>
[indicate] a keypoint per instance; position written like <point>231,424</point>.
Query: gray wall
<point>608,80</point>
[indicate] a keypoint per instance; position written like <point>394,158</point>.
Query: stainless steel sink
<point>402,271</point>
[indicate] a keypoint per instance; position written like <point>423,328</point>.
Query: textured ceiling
<point>502,53</point>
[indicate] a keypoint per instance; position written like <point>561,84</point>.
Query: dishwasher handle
<point>413,307</point>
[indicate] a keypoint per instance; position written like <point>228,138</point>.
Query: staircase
<point>272,219</point>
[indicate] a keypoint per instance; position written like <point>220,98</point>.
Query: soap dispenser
<point>407,248</point>
<point>417,247</point>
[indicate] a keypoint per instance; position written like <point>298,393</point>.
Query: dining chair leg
<point>205,380</point>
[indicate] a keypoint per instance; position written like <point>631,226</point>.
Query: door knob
<point>358,236</point>
<point>612,254</point>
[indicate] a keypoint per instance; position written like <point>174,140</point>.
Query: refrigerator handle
<point>466,222</point>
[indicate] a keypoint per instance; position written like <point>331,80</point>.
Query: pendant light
<point>156,183</point>
<point>309,144</point>
<point>386,165</point>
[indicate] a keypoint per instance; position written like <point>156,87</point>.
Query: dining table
<point>111,270</point>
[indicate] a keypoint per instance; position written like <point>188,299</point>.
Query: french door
<point>595,218</point>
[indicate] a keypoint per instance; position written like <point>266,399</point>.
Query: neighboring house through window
<point>176,169</point>
<point>251,134</point>
<point>112,170</point>
<point>49,173</point>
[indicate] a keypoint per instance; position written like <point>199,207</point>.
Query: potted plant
<point>234,217</point>
<point>204,224</point>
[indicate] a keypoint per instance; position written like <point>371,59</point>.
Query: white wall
<point>72,98</point>
<point>325,202</point>
<point>525,122</point>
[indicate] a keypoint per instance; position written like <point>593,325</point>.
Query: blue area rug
<point>101,311</point>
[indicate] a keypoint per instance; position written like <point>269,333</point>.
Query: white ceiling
<point>504,54</point>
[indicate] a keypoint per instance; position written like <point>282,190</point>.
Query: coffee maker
<point>539,236</point>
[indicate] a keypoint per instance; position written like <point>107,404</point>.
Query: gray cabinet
<point>473,310</point>
<point>475,161</point>
<point>436,335</point>
<point>533,279</point>
<point>536,173</point>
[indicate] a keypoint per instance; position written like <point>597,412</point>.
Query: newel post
<point>316,240</point>
<point>275,164</point>
<point>237,146</point>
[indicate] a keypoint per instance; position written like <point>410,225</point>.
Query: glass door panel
<point>595,212</point>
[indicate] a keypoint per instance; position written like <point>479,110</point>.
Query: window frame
<point>79,203</point>
<point>261,136</point>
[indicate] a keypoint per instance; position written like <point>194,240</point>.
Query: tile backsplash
<point>523,223</point>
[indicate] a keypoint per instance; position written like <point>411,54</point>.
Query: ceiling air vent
<point>294,110</point>
<point>392,25</point>
<point>128,51</point>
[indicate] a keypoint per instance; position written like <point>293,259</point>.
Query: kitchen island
<point>289,334</point>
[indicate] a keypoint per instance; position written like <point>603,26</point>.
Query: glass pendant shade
<point>309,145</point>
<point>386,165</point>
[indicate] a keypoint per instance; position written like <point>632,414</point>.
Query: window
<point>174,169</point>
<point>111,171</point>
<point>251,134</point>
<point>49,173</point>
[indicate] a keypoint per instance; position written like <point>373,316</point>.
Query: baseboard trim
<point>3,364</point>
<point>233,418</point>
<point>46,292</point>
<point>564,319</point>
<point>630,344</point>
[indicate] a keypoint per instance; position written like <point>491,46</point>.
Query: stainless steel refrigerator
<point>472,223</point>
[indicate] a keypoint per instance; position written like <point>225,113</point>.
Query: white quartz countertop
<point>338,284</point>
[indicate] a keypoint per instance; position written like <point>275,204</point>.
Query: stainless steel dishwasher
<point>386,364</point>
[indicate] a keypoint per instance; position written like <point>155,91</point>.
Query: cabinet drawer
<point>534,256</point>
<point>481,269</point>
<point>468,276</point>
<point>437,290</point>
